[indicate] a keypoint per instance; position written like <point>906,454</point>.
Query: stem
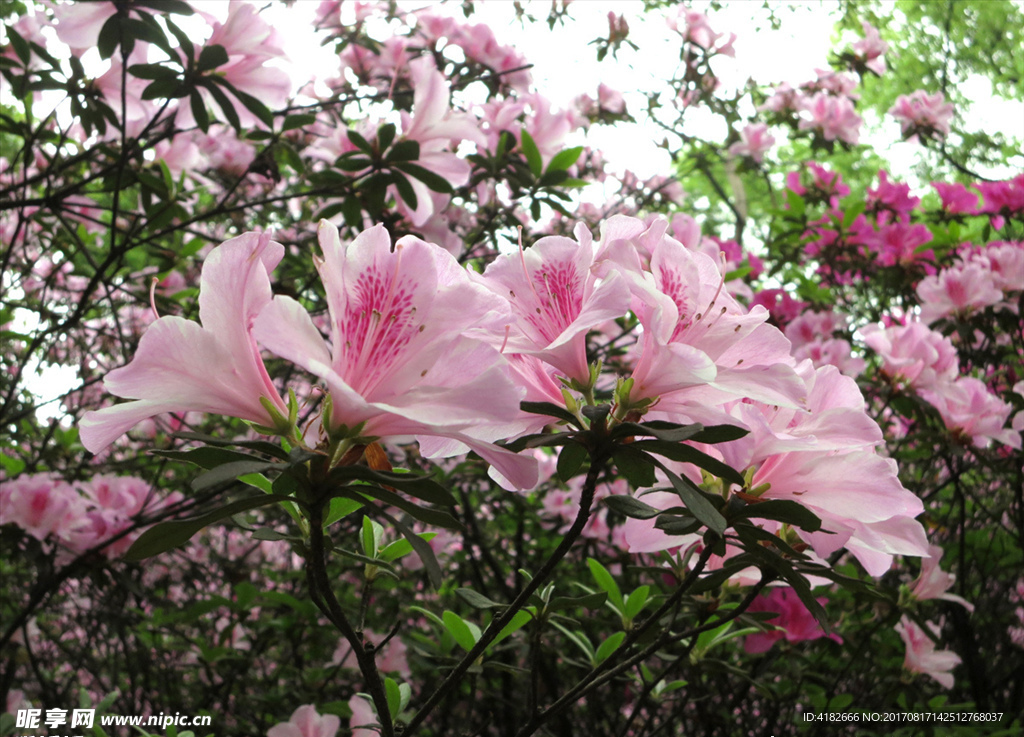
<point>598,460</point>
<point>323,596</point>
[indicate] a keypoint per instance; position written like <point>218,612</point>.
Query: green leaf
<point>230,472</point>
<point>422,548</point>
<point>401,548</point>
<point>519,620</point>
<point>340,507</point>
<point>199,111</point>
<point>211,57</point>
<point>109,36</point>
<point>226,106</point>
<point>435,182</point>
<point>532,154</point>
<point>294,122</point>
<point>570,460</point>
<point>605,581</point>
<point>551,410</point>
<point>183,40</point>
<point>689,454</point>
<point>696,502</point>
<point>782,510</point>
<point>719,434</point>
<point>421,487</point>
<point>163,88</point>
<point>637,467</point>
<point>589,601</point>
<point>630,506</point>
<point>261,446</point>
<point>385,135</point>
<point>394,697</point>
<point>460,630</point>
<point>669,431</point>
<point>608,647</point>
<point>564,159</point>
<point>21,47</point>
<point>403,151</point>
<point>477,600</point>
<point>636,602</point>
<point>405,190</point>
<point>359,142</point>
<point>371,535</point>
<point>166,535</point>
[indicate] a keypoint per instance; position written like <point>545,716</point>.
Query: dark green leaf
<point>719,434</point>
<point>183,40</point>
<point>696,502</point>
<point>629,506</point>
<point>294,122</point>
<point>689,454</point>
<point>229,472</point>
<point>669,431</point>
<point>178,7</point>
<point>166,535</point>
<point>782,510</point>
<point>260,446</point>
<point>165,87</point>
<point>152,71</point>
<point>421,487</point>
<point>226,106</point>
<point>385,135</point>
<point>435,182</point>
<point>403,151</point>
<point>405,190</point>
<point>532,154</point>
<point>211,57</point>
<point>433,517</point>
<point>570,460</point>
<point>21,47</point>
<point>199,111</point>
<point>207,457</point>
<point>637,467</point>
<point>422,548</point>
<point>549,409</point>
<point>359,142</point>
<point>590,601</point>
<point>109,37</point>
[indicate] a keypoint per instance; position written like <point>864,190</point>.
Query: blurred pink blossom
<point>922,657</point>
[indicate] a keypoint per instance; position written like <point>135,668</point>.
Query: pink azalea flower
<point>755,142</point>
<point>79,24</point>
<point>793,619</point>
<point>871,49</point>
<point>401,362</point>
<point>934,583</point>
<point>307,722</point>
<point>958,290</point>
<point>556,299</point>
<point>40,504</point>
<point>956,198</point>
<point>363,722</point>
<point>971,410</point>
<point>899,244</point>
<point>920,112</point>
<point>181,366</point>
<point>891,197</point>
<point>922,657</point>
<point>913,353</point>
<point>834,117</point>
<point>1002,199</point>
<point>1005,259</point>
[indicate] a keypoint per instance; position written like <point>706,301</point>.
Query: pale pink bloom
<point>391,658</point>
<point>755,142</point>
<point>40,504</point>
<point>956,198</point>
<point>970,409</point>
<point>1006,261</point>
<point>814,326</point>
<point>835,117</point>
<point>548,126</point>
<point>836,83</point>
<point>958,290</point>
<point>610,100</point>
<point>784,98</point>
<point>401,361</point>
<point>363,722</point>
<point>922,657</point>
<point>920,112</point>
<point>307,722</point>
<point>871,49</point>
<point>913,353</point>
<point>79,24</point>
<point>934,583</point>
<point>181,366</point>
<point>831,352</point>
<point>556,299</point>
<point>694,27</point>
<point>793,619</point>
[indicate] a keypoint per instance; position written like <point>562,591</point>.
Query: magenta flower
<point>182,366</point>
<point>956,198</point>
<point>794,621</point>
<point>402,360</point>
<point>307,722</point>
<point>922,657</point>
